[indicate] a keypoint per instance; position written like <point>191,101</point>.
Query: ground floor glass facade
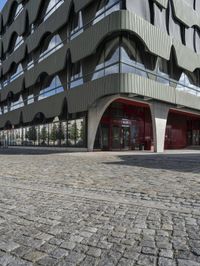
<point>69,133</point>
<point>125,125</point>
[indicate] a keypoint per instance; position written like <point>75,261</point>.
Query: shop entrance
<point>125,127</point>
<point>120,137</point>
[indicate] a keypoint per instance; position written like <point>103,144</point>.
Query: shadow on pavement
<point>175,162</point>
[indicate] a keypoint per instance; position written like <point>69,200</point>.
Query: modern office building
<point>100,74</point>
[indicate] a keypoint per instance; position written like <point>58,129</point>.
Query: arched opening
<point>183,130</point>
<point>125,125</point>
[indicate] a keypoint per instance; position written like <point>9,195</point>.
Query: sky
<point>2,2</point>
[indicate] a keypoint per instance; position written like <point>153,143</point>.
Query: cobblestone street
<point>100,209</point>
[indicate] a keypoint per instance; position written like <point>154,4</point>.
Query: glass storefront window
<point>70,133</point>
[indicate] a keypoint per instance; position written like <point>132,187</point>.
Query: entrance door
<point>126,138</point>
<point>116,137</point>
<point>120,138</point>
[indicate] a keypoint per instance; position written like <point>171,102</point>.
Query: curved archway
<point>133,127</point>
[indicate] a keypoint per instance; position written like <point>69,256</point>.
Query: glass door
<point>116,137</point>
<point>126,138</point>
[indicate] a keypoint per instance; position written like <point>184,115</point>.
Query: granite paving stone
<point>99,209</point>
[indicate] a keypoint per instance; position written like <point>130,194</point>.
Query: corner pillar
<point>93,123</point>
<point>159,112</point>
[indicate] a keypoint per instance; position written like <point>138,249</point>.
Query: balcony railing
<point>118,67</point>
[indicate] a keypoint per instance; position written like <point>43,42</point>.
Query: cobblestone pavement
<point>100,209</point>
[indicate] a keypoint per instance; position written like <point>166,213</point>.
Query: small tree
<point>60,133</point>
<point>43,134</point>
<point>74,132</point>
<point>53,134</point>
<point>32,134</point>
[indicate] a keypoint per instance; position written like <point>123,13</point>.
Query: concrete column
<point>159,112</point>
<point>93,122</point>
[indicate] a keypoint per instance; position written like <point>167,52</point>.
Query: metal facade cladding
<point>135,19</point>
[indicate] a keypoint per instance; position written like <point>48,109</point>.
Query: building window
<point>120,56</point>
<point>18,73</point>
<point>18,10</point>
<point>76,75</point>
<point>52,7</point>
<point>54,45</point>
<point>54,88</point>
<point>105,8</point>
<point>163,72</point>
<point>18,42</point>
<point>186,85</point>
<point>77,25</point>
<point>17,104</point>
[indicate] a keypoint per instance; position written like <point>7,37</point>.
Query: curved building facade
<point>100,74</point>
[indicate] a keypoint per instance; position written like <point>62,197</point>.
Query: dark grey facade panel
<point>52,24</point>
<point>16,58</point>
<point>1,22</point>
<point>51,65</point>
<point>12,118</point>
<point>80,4</point>
<point>7,10</point>
<point>33,8</point>
<point>50,107</point>
<point>1,49</point>
<point>154,41</point>
<point>120,21</point>
<point>14,87</point>
<point>81,98</point>
<point>126,21</point>
<point>18,28</point>
<point>85,96</point>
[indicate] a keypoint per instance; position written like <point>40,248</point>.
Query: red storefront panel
<point>126,125</point>
<point>182,130</point>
